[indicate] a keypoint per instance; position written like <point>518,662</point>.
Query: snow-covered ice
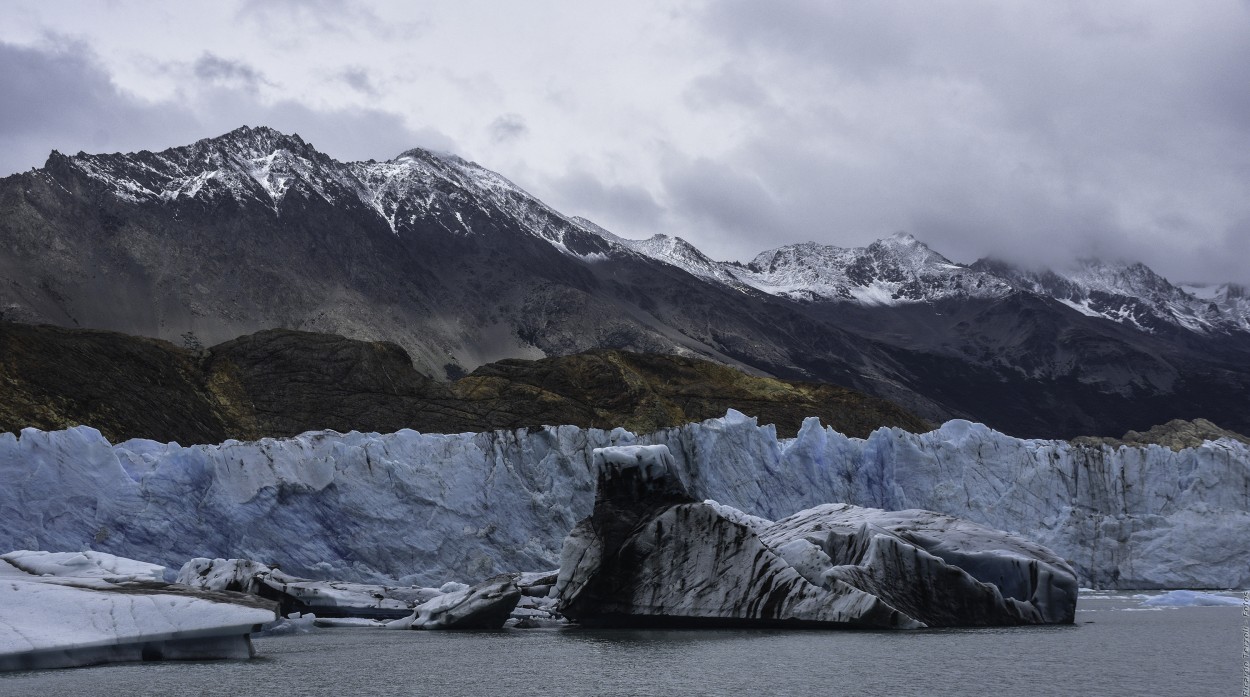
<point>59,609</point>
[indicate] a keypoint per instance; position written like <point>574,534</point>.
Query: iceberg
<point>523,597</point>
<point>1189,598</point>
<point>325,599</point>
<point>488,605</point>
<point>417,509</point>
<point>650,555</point>
<point>70,609</point>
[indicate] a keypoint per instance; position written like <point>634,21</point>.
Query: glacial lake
<point>1117,647</point>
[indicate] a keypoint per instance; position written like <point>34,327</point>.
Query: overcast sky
<point>1044,130</point>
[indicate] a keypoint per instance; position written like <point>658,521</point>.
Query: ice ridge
<point>424,507</point>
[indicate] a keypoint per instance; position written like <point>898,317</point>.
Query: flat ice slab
<point>71,609</point>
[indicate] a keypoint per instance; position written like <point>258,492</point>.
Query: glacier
<point>422,509</point>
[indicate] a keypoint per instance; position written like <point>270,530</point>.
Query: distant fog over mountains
<point>257,229</point>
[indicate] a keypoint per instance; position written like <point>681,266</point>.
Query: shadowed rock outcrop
<point>1175,435</point>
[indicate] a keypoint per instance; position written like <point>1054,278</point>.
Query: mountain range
<point>256,229</point>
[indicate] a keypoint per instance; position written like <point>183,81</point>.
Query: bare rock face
<point>1176,435</point>
<point>649,555</point>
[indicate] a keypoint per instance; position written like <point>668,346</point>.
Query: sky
<point>1038,132</point>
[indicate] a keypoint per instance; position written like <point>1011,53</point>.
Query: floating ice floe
<point>72,609</point>
<point>1188,598</point>
<point>523,598</point>
<point>325,599</point>
<point>488,605</point>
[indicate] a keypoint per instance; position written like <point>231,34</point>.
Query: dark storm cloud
<point>508,127</point>
<point>615,207</point>
<point>213,68</point>
<point>722,199</point>
<point>345,134</point>
<point>57,96</point>
<point>1039,132</point>
<point>359,80</point>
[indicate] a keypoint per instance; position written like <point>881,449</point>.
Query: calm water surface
<point>1114,649</point>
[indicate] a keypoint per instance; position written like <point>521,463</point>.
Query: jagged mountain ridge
<point>256,230</point>
<point>900,269</point>
<point>452,262</point>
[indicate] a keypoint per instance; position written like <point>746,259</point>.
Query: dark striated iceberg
<point>651,555</point>
<point>486,605</point>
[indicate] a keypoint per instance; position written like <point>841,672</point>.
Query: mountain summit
<point>256,229</point>
<point>890,271</point>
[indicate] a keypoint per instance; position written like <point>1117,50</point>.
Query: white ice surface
<point>74,607</point>
<point>86,564</point>
<point>1188,598</point>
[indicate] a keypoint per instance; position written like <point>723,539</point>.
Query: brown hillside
<point>282,382</point>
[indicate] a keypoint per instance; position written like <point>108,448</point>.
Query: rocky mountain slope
<point>900,270</point>
<point>283,382</point>
<point>257,230</point>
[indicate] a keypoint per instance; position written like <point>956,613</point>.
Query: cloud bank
<point>1038,132</point>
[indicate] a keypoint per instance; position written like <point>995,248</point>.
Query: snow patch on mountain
<point>248,164</point>
<point>673,251</point>
<point>423,188</point>
<point>1132,294</point>
<point>896,270</point>
<point>264,166</point>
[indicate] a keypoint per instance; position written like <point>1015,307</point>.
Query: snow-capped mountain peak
<point>1130,293</point>
<point>246,164</point>
<point>262,165</point>
<point>894,270</point>
<point>422,189</point>
<point>673,251</point>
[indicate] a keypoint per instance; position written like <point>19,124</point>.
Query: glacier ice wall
<point>424,508</point>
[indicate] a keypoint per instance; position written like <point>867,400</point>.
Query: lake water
<point>1117,647</point>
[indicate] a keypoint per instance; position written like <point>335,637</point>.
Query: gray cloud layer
<point>58,97</point>
<point>1036,133</point>
<point>1039,131</point>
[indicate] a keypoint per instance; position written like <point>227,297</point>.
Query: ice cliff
<point>425,508</point>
